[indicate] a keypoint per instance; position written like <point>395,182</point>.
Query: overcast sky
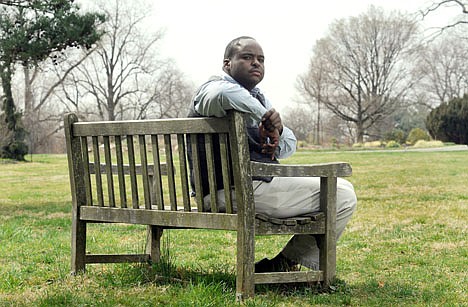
<point>196,33</point>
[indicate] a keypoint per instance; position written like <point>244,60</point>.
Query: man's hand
<point>271,120</point>
<point>269,140</point>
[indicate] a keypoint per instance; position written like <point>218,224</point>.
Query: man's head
<point>244,61</point>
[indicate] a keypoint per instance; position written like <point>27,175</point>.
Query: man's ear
<point>226,64</point>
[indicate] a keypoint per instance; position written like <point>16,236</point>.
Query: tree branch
<point>60,81</point>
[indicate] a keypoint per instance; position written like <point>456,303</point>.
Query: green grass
<point>405,246</point>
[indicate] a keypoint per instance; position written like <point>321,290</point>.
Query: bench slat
<point>108,168</point>
<point>183,171</point>
<point>336,169</point>
<point>103,258</point>
<point>223,147</point>
<point>170,171</point>
<point>211,173</point>
<point>175,219</point>
<point>148,127</point>
<point>132,169</point>
<point>86,171</point>
<point>289,277</point>
<point>144,171</point>
<point>97,159</point>
<point>197,172</point>
<point>120,171</point>
<point>158,170</point>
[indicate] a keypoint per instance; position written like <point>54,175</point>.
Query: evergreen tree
<point>449,121</point>
<point>30,32</point>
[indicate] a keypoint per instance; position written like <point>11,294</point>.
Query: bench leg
<point>327,258</point>
<point>78,246</point>
<point>245,281</point>
<point>153,246</point>
<point>327,242</point>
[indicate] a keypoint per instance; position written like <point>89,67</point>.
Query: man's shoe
<point>277,264</point>
<point>263,266</point>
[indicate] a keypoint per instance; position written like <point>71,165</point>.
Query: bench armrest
<point>335,169</point>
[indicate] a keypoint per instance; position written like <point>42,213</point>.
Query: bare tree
<point>36,89</point>
<point>166,97</point>
<point>313,88</point>
<point>362,71</point>
<point>301,121</point>
<point>444,67</point>
<point>17,3</point>
<point>125,78</point>
<point>460,5</point>
<point>33,102</point>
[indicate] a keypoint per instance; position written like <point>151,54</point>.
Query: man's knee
<point>346,197</point>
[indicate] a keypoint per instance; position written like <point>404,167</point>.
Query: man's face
<point>247,64</point>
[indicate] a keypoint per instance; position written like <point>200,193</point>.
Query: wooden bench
<point>116,176</point>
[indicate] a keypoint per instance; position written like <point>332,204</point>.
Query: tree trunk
<point>8,102</point>
<point>360,132</point>
<point>110,105</point>
<point>13,147</point>
<point>317,137</point>
<point>28,96</point>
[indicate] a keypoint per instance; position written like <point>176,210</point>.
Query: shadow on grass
<point>167,274</point>
<point>164,273</point>
<point>216,285</point>
<point>369,292</point>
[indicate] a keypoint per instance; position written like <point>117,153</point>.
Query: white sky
<point>197,31</point>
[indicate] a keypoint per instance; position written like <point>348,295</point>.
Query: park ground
<point>405,246</point>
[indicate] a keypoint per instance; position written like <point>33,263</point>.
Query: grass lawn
<point>405,246</point>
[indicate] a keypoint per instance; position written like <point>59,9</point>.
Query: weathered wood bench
<point>128,185</point>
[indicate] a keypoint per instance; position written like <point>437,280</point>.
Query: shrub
<point>449,121</point>
<point>301,144</point>
<point>396,135</point>
<point>393,144</point>
<point>357,145</point>
<point>427,144</point>
<point>12,140</point>
<point>373,144</point>
<point>417,134</point>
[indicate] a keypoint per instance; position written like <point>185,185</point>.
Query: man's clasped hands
<point>270,130</point>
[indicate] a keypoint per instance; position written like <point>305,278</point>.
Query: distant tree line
<point>376,75</point>
<point>372,76</point>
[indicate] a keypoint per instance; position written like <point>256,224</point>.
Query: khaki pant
<point>285,197</point>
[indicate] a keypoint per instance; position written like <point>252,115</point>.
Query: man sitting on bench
<point>279,197</point>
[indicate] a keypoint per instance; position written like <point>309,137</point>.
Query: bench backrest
<point>143,164</point>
